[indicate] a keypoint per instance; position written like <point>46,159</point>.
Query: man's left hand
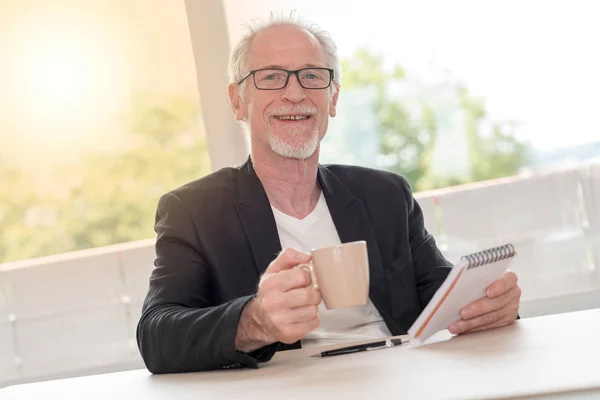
<point>498,308</point>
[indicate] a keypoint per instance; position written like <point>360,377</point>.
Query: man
<point>223,294</point>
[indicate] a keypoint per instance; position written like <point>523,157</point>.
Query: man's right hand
<point>286,307</point>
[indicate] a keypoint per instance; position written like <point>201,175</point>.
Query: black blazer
<point>217,235</point>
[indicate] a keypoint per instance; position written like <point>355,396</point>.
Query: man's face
<point>293,120</point>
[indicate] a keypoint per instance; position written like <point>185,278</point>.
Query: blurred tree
<point>15,192</point>
<point>106,198</point>
<point>408,125</point>
<point>115,196</point>
<point>493,156</point>
<point>406,138</point>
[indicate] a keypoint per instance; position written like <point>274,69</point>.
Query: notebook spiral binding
<point>490,256</point>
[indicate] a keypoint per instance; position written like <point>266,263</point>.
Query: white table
<point>556,356</point>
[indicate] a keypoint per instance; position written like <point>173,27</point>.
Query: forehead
<point>286,47</point>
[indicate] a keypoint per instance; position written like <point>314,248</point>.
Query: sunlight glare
<point>60,78</point>
<point>66,78</point>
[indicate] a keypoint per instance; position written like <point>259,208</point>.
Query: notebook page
<point>431,309</point>
<point>466,283</point>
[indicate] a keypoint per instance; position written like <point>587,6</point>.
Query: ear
<point>238,106</point>
<point>334,99</point>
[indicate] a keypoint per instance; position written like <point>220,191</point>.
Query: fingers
<point>288,301</point>
<point>287,259</point>
<point>508,280</point>
<point>303,297</point>
<point>290,324</point>
<point>507,320</point>
<point>294,332</point>
<point>286,280</point>
<point>295,316</point>
<point>495,318</point>
<point>274,301</point>
<point>486,305</point>
<point>490,312</point>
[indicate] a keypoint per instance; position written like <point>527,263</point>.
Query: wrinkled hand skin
<point>498,308</point>
<point>285,308</point>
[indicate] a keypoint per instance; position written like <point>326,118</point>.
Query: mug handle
<point>308,267</point>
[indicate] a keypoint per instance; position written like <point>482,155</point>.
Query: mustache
<point>287,110</point>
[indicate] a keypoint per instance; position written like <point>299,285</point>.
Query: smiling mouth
<point>292,117</point>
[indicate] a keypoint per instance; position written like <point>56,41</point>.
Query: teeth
<point>291,117</point>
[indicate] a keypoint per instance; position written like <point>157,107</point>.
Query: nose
<point>293,92</point>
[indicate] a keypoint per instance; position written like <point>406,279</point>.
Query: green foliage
<point>15,191</point>
<point>104,198</point>
<point>497,155</point>
<point>408,126</point>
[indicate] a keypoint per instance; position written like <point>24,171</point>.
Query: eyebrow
<point>280,67</point>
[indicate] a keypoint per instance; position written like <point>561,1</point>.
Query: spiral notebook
<point>466,282</point>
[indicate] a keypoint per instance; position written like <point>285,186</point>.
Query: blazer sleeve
<point>180,330</point>
<point>430,266</point>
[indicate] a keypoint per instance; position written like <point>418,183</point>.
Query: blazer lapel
<point>352,223</point>
<point>257,218</point>
<point>347,212</point>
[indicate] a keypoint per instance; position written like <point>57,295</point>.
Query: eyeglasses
<point>277,78</point>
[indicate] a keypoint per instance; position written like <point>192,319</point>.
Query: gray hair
<point>239,56</point>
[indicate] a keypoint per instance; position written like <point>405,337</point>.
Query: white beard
<point>288,150</point>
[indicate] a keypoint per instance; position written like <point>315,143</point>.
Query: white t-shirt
<point>346,324</point>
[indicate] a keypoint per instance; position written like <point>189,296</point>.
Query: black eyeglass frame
<point>289,72</point>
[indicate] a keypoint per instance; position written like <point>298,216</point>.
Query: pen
<point>382,344</point>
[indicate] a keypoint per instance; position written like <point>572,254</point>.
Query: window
<point>99,117</point>
<point>487,109</point>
